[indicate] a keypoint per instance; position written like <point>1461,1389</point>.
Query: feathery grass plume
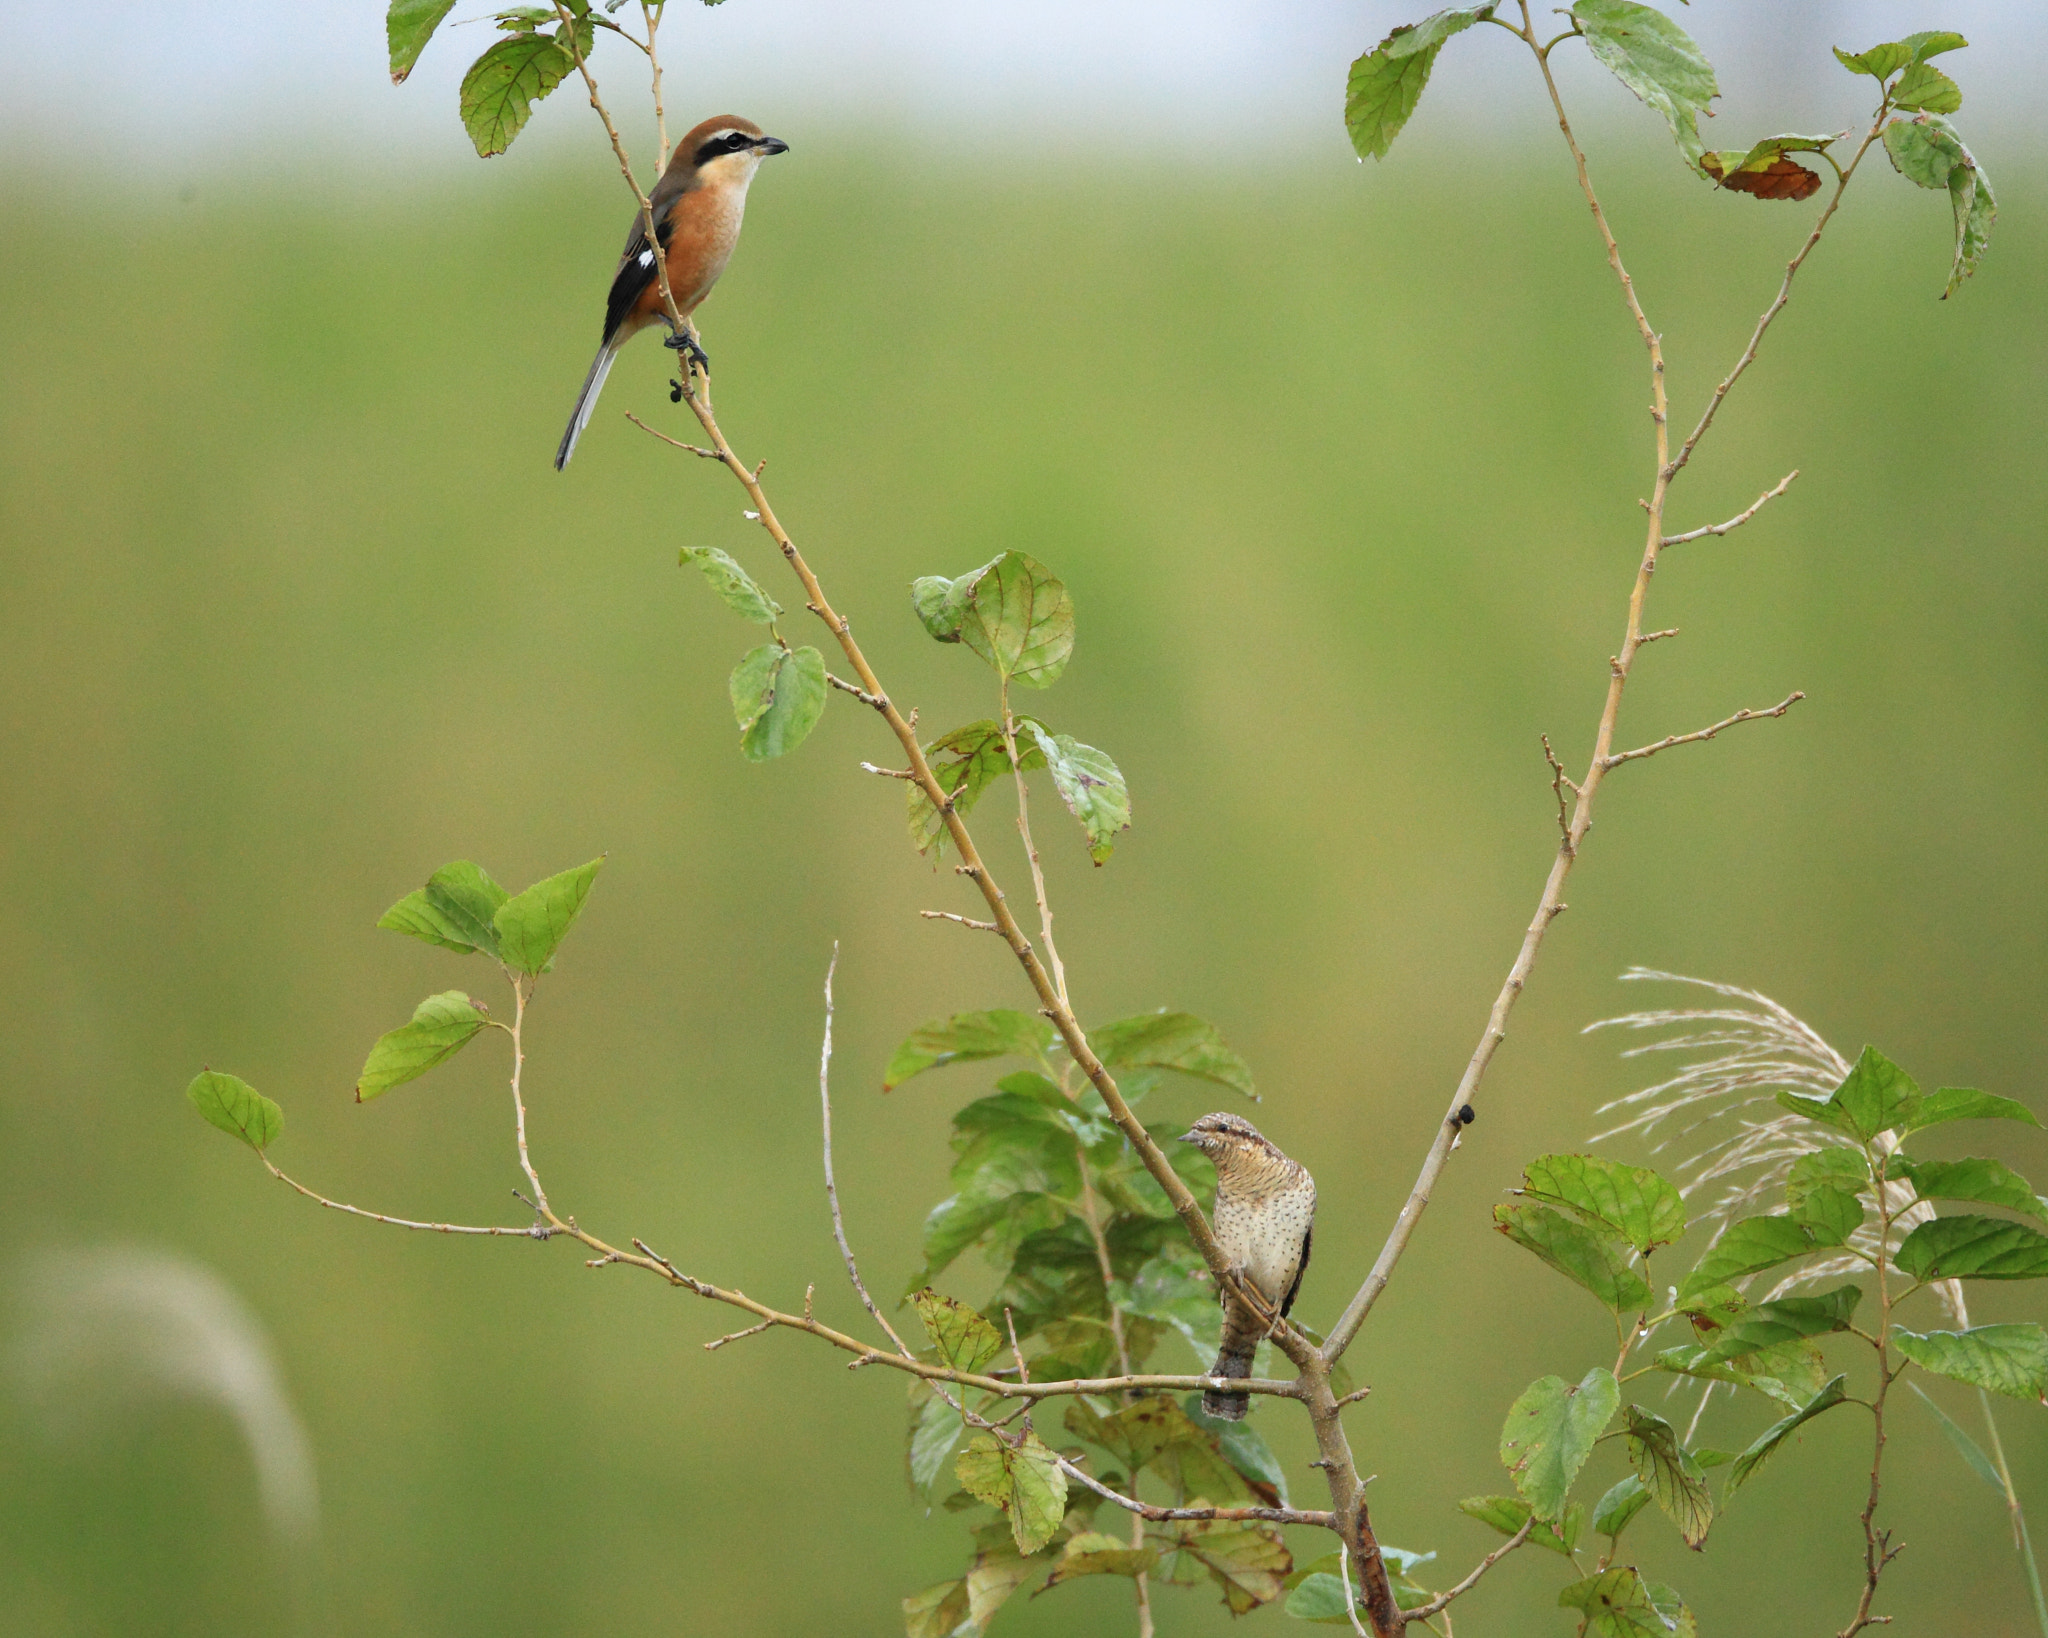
<point>1743,1054</point>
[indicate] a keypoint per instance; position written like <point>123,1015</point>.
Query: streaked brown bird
<point>698,204</point>
<point>1265,1220</point>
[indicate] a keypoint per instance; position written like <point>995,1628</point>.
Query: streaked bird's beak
<point>1188,1137</point>
<point>772,145</point>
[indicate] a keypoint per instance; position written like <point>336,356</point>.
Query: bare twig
<point>651,11</point>
<point>673,443</point>
<point>1665,744</point>
<point>1220,1515</point>
<point>1558,780</point>
<point>520,992</point>
<point>1350,1601</point>
<point>1422,1612</point>
<point>1740,518</point>
<point>1052,954</point>
<point>964,921</point>
<point>717,1343</point>
<point>532,1231</point>
<point>831,1184</point>
<point>856,691</point>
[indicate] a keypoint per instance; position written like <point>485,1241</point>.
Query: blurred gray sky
<point>172,89</point>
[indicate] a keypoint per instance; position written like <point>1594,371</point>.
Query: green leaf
<point>453,910</point>
<point>1674,1478</point>
<point>1832,1214</point>
<point>937,1612</point>
<point>1835,1167</point>
<point>1973,1248</point>
<point>1320,1597</point>
<point>1616,1602</point>
<point>501,87</point>
<point>935,1428</point>
<point>778,695</point>
<point>236,1107</point>
<point>1596,1261</point>
<point>1965,1103</point>
<point>1631,1202</point>
<point>1927,150</point>
<point>965,1037</point>
<point>441,1027</point>
<point>1764,171</point>
<point>941,603</point>
<point>1748,1247</point>
<point>964,1339</point>
<point>1883,61</point>
<point>1678,1620</point>
<point>1876,1096</point>
<point>408,26</point>
<point>1248,1561</point>
<point>1989,1182</point>
<point>1613,1511</point>
<point>2007,1359</point>
<point>1090,1552</point>
<point>1550,1432</point>
<point>1775,1435</point>
<point>1025,1481</point>
<point>1790,1373</point>
<point>1789,1319</point>
<point>998,1571</point>
<point>531,925</point>
<point>1241,1443</point>
<point>1091,785</point>
<point>1980,1464</point>
<point>735,587</point>
<point>1654,58</point>
<point>1386,83</point>
<point>1925,89</point>
<point>1014,613</point>
<point>965,763</point>
<point>1507,1514</point>
<point>1172,1040</point>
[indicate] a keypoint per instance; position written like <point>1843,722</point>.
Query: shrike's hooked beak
<point>771,145</point>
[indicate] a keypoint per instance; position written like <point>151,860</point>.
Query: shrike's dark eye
<point>738,140</point>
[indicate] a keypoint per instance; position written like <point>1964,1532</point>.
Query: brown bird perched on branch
<point>1265,1219</point>
<point>697,208</point>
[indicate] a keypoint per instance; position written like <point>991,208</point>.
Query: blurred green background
<point>1341,467</point>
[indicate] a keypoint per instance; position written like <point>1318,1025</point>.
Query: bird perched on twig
<point>1265,1218</point>
<point>698,204</point>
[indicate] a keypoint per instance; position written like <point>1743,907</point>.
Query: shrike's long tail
<point>593,384</point>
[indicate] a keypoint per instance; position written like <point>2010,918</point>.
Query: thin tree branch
<point>1665,744</point>
<point>537,1230</point>
<point>651,11</point>
<point>964,921</point>
<point>1422,1612</point>
<point>857,692</point>
<point>674,443</point>
<point>1740,518</point>
<point>1052,954</point>
<point>1220,1515</point>
<point>831,1184</point>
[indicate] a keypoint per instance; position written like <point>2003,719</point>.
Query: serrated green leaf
<point>453,910</point>
<point>1241,1444</point>
<point>236,1107</point>
<point>442,1025</point>
<point>1090,1552</point>
<point>1673,1477</point>
<point>501,87</point>
<point>1091,785</point>
<point>966,1037</point>
<point>1320,1597</point>
<point>965,763</point>
<point>532,924</point>
<point>1597,1261</point>
<point>1966,1447</point>
<point>1748,1247</point>
<point>1613,1511</point>
<point>1875,1096</point>
<point>1990,1182</point>
<point>1927,150</point>
<point>964,1339</point>
<point>778,695</point>
<point>1835,1167</point>
<point>1386,83</point>
<point>1679,1621</point>
<point>1925,89</point>
<point>935,1428</point>
<point>1775,1435</point>
<point>1631,1202</point>
<point>1883,61</point>
<point>1172,1040</point>
<point>1024,1480</point>
<point>940,603</point>
<point>1654,58</point>
<point>408,26</point>
<point>937,1612</point>
<point>1549,1433</point>
<point>1017,615</point>
<point>1617,1604</point>
<point>1791,1373</point>
<point>2007,1359</point>
<point>1507,1514</point>
<point>1788,1320</point>
<point>1973,1248</point>
<point>735,587</point>
<point>1248,1561</point>
<point>1965,1103</point>
<point>1832,1214</point>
